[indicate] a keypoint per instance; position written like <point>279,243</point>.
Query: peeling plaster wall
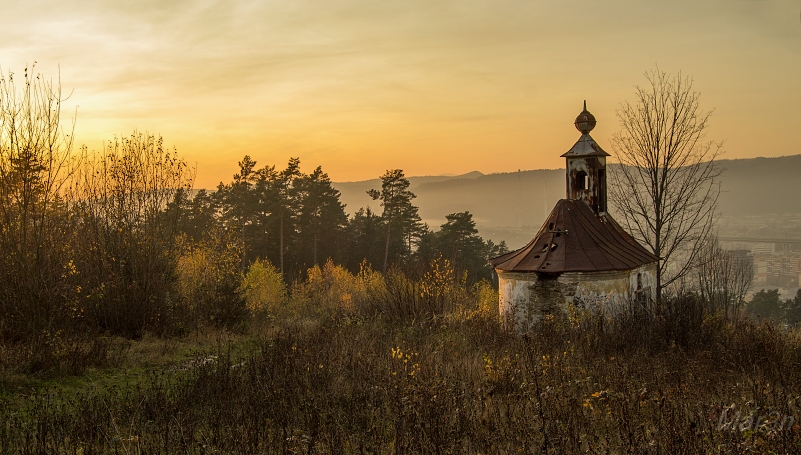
<point>594,193</point>
<point>525,297</point>
<point>647,280</point>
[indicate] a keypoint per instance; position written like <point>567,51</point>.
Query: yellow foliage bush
<point>441,292</point>
<point>333,290</point>
<point>209,280</point>
<point>196,275</point>
<point>263,288</point>
<point>486,298</point>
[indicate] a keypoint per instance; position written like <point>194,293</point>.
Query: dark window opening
<point>558,235</point>
<point>550,226</point>
<point>639,281</point>
<point>582,181</point>
<point>554,246</point>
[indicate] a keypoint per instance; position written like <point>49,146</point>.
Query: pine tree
<point>321,218</point>
<point>400,217</point>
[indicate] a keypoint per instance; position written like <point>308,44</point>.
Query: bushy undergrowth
<point>332,291</point>
<point>263,288</point>
<point>208,285</point>
<point>456,382</point>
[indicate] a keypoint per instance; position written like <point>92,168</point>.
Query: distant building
<point>777,269</point>
<point>763,248</point>
<point>580,256</point>
<point>763,269</point>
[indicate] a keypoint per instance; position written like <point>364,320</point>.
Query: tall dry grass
<point>450,383</point>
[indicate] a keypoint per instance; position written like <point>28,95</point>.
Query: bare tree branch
<point>668,182</point>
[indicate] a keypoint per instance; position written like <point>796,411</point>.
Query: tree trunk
<point>315,245</point>
<point>242,235</point>
<point>386,249</point>
<point>658,287</point>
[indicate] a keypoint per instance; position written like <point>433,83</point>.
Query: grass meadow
<point>344,369</point>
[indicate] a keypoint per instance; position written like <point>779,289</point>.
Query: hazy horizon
<point>360,87</point>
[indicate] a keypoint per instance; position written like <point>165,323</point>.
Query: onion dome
<point>586,145</point>
<point>585,121</point>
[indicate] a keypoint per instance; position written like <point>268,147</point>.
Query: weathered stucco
<point>527,297</point>
<point>594,194</point>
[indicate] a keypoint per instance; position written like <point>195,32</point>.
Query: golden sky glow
<point>431,87</point>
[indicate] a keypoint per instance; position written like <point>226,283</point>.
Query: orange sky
<point>431,87</point>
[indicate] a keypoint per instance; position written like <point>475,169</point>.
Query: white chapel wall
<point>527,297</point>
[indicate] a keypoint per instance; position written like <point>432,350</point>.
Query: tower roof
<point>585,146</point>
<point>574,239</point>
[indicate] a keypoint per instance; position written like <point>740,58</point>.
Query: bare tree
<point>667,185</point>
<point>36,164</point>
<point>723,277</point>
<point>128,240</point>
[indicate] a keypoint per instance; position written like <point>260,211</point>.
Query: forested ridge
<point>297,220</point>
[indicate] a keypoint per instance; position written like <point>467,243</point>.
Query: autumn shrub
<point>209,283</point>
<point>37,162</point>
<point>441,290</point>
<point>263,288</point>
<point>433,292</point>
<point>333,292</point>
<point>482,301</point>
<point>486,297</point>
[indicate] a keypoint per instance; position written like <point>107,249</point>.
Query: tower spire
<point>586,166</point>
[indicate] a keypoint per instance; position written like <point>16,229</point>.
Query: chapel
<point>580,257</point>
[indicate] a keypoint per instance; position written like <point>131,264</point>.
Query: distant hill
<point>761,186</point>
<point>511,206</point>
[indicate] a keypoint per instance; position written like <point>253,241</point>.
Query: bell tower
<point>586,166</point>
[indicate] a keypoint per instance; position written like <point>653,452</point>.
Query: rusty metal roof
<point>574,239</point>
<point>585,146</point>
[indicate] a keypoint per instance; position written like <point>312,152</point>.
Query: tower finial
<point>585,121</point>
